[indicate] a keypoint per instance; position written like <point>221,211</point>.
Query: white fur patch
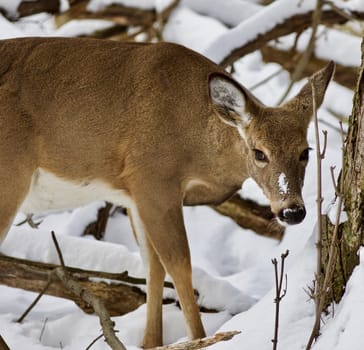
<point>49,192</point>
<point>283,184</point>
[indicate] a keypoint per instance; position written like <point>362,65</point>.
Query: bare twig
<point>43,328</point>
<point>199,343</point>
<point>59,252</point>
<point>349,16</point>
<point>94,341</point>
<point>322,154</point>
<point>323,290</point>
<point>98,306</point>
<point>265,80</point>
<point>31,306</point>
<point>279,293</point>
<point>319,200</point>
<point>332,169</point>
<point>29,220</point>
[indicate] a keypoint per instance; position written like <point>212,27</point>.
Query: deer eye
<point>305,155</point>
<point>260,156</point>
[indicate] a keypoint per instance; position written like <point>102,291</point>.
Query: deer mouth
<point>292,215</point>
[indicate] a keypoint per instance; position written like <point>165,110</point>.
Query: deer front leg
<point>153,335</point>
<point>160,212</point>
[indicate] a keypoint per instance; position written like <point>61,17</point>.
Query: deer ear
<point>229,100</point>
<point>303,102</point>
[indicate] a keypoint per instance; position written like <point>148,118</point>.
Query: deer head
<point>274,139</point>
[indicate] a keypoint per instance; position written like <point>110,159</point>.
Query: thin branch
<point>332,169</point>
<point>29,220</point>
<point>59,252</point>
<point>43,328</point>
<point>324,290</point>
<point>279,293</point>
<point>318,290</point>
<point>105,320</point>
<point>106,323</point>
<point>94,341</point>
<point>322,154</point>
<point>265,80</point>
<point>347,15</point>
<point>31,306</point>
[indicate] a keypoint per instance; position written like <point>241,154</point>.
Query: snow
<point>248,30</point>
<point>97,5</point>
<point>232,267</point>
<point>326,47</point>
<point>159,5</point>
<point>10,6</point>
<point>191,29</point>
<point>268,18</point>
<point>232,15</point>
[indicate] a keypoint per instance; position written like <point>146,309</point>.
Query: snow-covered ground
<point>232,267</point>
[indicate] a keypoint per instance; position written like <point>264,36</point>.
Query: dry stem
<point>105,320</point>
<point>279,294</point>
<point>323,290</point>
<point>318,290</point>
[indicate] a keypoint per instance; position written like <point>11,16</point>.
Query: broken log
<point>116,291</point>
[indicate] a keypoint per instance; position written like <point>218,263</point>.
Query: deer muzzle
<point>292,215</point>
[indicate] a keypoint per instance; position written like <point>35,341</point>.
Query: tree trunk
<point>351,233</point>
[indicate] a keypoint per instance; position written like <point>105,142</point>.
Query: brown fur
<point>139,117</point>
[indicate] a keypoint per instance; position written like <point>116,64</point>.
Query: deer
<point>150,127</point>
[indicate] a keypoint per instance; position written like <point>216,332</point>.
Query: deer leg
<point>153,335</point>
<point>162,218</point>
<point>13,189</point>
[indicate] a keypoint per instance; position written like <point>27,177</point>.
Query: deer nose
<point>293,215</point>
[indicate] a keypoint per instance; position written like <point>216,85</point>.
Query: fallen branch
<point>27,8</point>
<point>199,343</point>
<point>294,24</point>
<point>250,215</point>
<point>117,13</point>
<point>245,212</point>
<point>34,276</point>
